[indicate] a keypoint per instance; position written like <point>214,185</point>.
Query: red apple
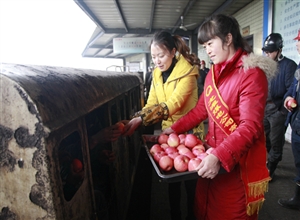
<point>155,148</point>
<point>199,146</point>
<point>190,140</point>
<point>202,155</point>
<point>181,138</point>
<point>120,126</point>
<point>181,146</point>
<point>189,154</point>
<point>159,155</point>
<point>197,150</point>
<point>183,150</point>
<point>77,165</point>
<point>164,146</point>
<point>173,155</point>
<point>181,163</point>
<point>163,139</point>
<point>194,163</point>
<point>166,163</point>
<point>173,140</point>
<point>170,149</point>
<point>292,103</point>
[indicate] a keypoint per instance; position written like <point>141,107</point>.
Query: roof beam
<point>152,15</point>
<point>92,42</point>
<point>121,14</point>
<point>141,31</point>
<point>88,11</point>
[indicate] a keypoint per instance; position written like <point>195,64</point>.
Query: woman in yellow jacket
<point>172,94</point>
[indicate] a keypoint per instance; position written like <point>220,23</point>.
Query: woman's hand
<point>131,126</point>
<point>209,167</point>
<point>107,156</point>
<point>107,134</point>
<point>168,131</point>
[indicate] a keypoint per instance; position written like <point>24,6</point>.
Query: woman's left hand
<point>209,167</point>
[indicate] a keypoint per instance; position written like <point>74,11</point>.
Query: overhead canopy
<point>141,18</point>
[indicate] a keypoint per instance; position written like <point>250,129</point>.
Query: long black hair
<point>221,25</point>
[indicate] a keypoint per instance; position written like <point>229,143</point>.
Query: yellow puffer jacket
<point>179,92</point>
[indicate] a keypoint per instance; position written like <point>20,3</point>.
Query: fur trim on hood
<point>266,64</point>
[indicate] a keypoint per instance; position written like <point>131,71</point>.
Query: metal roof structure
<point>141,18</point>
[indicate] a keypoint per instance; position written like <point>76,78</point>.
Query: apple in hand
<point>173,140</point>
<point>190,140</point>
<point>181,163</point>
<point>166,163</point>
<point>120,127</point>
<point>194,163</point>
<point>163,139</point>
<point>291,103</point>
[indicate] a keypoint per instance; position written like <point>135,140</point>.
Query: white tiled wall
<point>252,15</point>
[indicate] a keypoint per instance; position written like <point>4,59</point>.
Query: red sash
<point>217,108</point>
<point>255,179</point>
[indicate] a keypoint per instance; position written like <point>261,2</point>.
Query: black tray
<point>166,176</point>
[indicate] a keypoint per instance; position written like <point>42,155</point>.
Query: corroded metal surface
<point>63,94</point>
<point>39,102</point>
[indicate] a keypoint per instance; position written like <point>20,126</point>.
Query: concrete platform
<point>150,197</point>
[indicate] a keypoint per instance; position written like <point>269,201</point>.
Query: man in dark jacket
<point>293,119</point>
<point>275,113</point>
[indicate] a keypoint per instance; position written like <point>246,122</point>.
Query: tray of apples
<point>175,157</point>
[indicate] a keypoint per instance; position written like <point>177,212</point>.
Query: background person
<point>204,68</point>
<point>234,97</point>
<point>293,119</point>
<point>172,94</point>
<point>200,80</point>
<point>275,113</point>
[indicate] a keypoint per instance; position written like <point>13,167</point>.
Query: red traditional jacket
<point>243,88</point>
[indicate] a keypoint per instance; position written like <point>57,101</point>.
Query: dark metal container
<point>47,116</point>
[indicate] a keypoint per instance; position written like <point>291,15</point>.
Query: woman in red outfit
<point>233,100</point>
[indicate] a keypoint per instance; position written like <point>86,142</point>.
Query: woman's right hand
<point>131,126</point>
<point>168,131</point>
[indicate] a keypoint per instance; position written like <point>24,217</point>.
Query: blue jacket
<point>292,92</point>
<point>282,81</point>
